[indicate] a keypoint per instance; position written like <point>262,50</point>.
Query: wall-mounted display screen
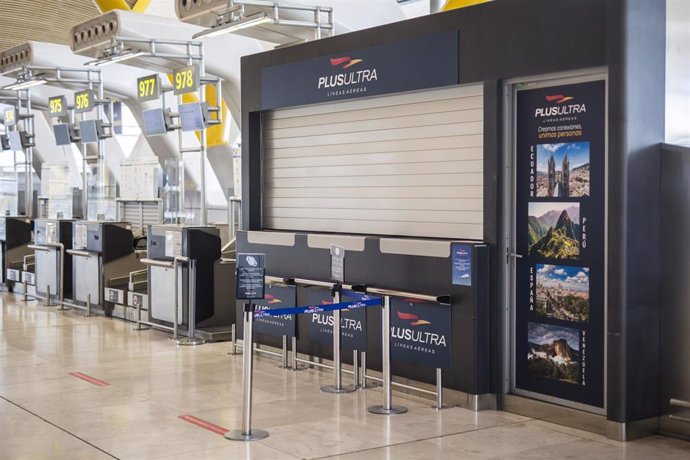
<point>15,140</point>
<point>191,116</point>
<point>90,130</point>
<point>154,122</point>
<point>62,135</point>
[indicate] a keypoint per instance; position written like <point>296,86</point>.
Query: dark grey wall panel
<point>675,289</point>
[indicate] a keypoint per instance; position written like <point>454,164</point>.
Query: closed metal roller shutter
<point>408,164</point>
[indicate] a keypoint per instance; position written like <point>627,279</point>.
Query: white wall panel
<point>408,164</point>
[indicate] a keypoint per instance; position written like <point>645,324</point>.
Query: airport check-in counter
<point>15,238</point>
<point>200,285</point>
<point>103,256</point>
<point>53,265</point>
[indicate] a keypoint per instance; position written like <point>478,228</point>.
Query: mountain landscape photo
<point>562,292</point>
<point>553,352</point>
<point>563,170</point>
<point>554,230</point>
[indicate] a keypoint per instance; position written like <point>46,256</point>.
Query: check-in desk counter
<point>194,253</point>
<point>15,238</point>
<point>53,265</point>
<point>103,257</point>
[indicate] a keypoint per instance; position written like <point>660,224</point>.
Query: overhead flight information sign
<point>10,117</point>
<point>84,101</point>
<point>57,106</point>
<point>149,87</point>
<point>186,80</point>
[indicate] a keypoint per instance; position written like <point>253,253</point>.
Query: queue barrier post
<point>295,366</point>
<point>439,392</point>
<point>191,339</point>
<point>49,302</point>
<point>284,364</point>
<point>337,387</point>
<point>246,433</point>
<point>387,408</point>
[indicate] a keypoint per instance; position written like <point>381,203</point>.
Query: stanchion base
<point>299,367</point>
<point>238,435</point>
<point>335,390</point>
<point>141,328</point>
<point>190,341</point>
<point>394,410</point>
<point>443,407</point>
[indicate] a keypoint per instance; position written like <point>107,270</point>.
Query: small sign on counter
<point>251,269</point>
<point>462,264</point>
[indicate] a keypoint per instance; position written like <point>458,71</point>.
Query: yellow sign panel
<point>186,80</point>
<point>57,106</point>
<point>84,101</point>
<point>149,88</point>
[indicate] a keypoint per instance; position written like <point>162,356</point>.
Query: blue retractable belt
<point>364,303</point>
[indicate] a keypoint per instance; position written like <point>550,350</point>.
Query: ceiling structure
<point>41,20</point>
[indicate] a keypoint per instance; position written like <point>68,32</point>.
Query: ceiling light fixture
<point>233,26</point>
<point>24,84</point>
<point>115,58</point>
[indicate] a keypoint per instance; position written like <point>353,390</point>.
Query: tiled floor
<point>47,413</point>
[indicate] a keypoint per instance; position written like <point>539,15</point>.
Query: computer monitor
<point>91,131</point>
<point>191,116</point>
<point>15,140</point>
<point>4,142</point>
<point>62,134</point>
<point>154,122</point>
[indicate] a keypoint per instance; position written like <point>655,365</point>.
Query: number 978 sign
<point>186,80</point>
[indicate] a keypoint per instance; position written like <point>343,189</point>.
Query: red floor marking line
<point>204,424</point>
<point>89,379</point>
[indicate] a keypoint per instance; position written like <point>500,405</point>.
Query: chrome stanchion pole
<point>233,338</point>
<point>88,306</point>
<point>139,326</point>
<point>246,433</point>
<point>355,368</point>
<point>176,303</point>
<point>295,365</point>
<point>191,339</point>
<point>61,281</point>
<point>49,303</point>
<point>439,392</point>
<point>387,408</point>
<point>363,374</point>
<point>285,364</point>
<point>337,386</point>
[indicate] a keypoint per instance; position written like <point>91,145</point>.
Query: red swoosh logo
<point>340,60</point>
<point>554,98</point>
<point>408,316</point>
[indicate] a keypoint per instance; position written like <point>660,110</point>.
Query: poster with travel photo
<point>563,170</point>
<point>562,292</point>
<point>553,352</point>
<point>554,230</point>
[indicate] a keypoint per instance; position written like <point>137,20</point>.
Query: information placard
<point>560,149</point>
<point>462,263</point>
<point>337,263</point>
<point>251,269</point>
